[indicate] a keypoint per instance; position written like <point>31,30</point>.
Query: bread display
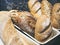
<point>37,22</point>
<point>55,18</point>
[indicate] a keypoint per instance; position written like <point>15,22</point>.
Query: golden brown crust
<point>35,9</point>
<point>55,18</point>
<point>41,32</point>
<point>41,12</point>
<point>31,3</point>
<point>16,41</point>
<point>46,7</point>
<point>9,34</point>
<point>25,21</point>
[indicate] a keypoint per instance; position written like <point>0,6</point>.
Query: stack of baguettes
<point>42,12</point>
<point>9,34</point>
<point>46,16</point>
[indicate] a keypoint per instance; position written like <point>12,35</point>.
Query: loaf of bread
<point>43,28</point>
<point>25,21</point>
<point>9,34</point>
<point>55,18</point>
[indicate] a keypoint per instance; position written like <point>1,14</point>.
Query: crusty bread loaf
<point>9,34</point>
<point>55,18</point>
<point>25,21</point>
<point>43,28</point>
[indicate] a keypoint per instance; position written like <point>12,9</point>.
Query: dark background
<point>19,4</point>
<point>22,6</point>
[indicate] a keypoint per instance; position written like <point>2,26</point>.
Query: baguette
<point>43,28</point>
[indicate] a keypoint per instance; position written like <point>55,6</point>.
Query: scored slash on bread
<point>32,2</point>
<point>34,7</point>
